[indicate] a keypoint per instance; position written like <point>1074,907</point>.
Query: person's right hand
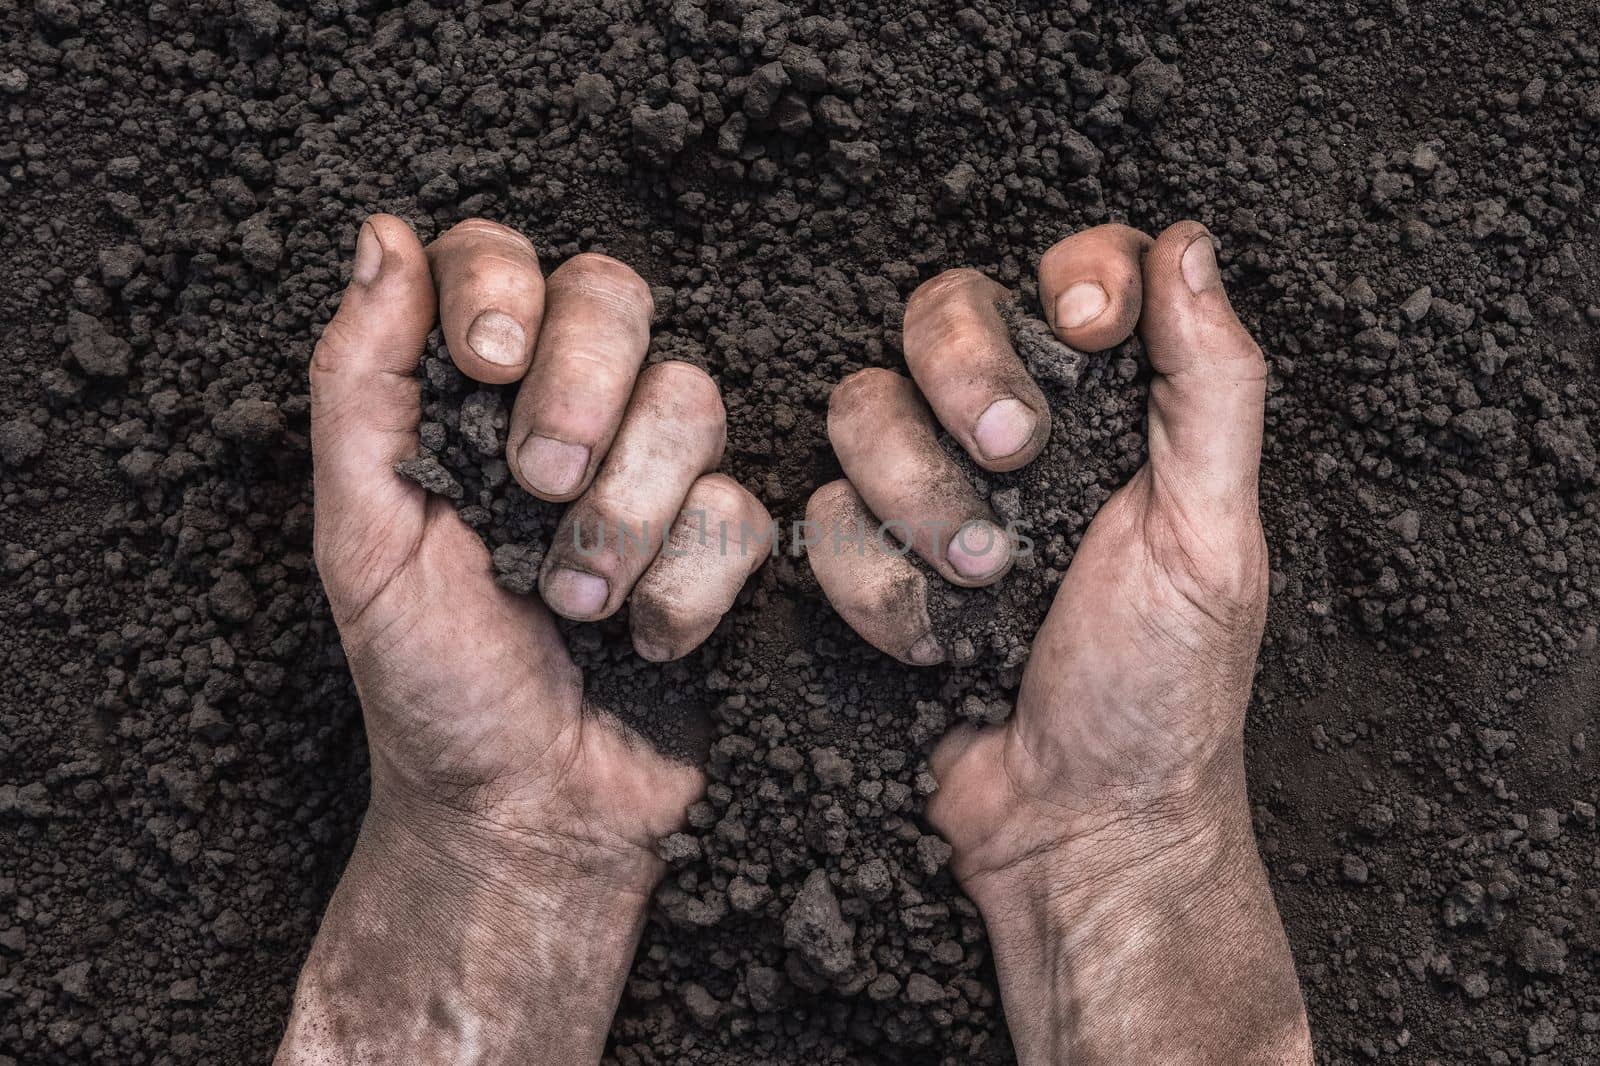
<point>503,869</point>
<point>1103,828</point>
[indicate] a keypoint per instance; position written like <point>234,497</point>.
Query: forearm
<point>1151,940</point>
<point>437,948</point>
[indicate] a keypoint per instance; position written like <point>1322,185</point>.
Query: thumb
<point>1208,398</point>
<point>365,411</point>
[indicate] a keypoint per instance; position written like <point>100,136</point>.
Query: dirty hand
<point>1103,829</point>
<point>496,893</point>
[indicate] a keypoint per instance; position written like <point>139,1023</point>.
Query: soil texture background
<point>1404,193</point>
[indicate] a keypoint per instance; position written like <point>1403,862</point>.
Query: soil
<point>1404,196</point>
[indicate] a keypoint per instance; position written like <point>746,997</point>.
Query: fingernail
<point>1080,304</point>
<point>497,338</point>
<point>649,649</point>
<point>575,594</point>
<point>369,256</point>
<point>978,550</point>
<point>926,651</point>
<point>552,466</point>
<point>1004,428</point>
<point>1200,265</point>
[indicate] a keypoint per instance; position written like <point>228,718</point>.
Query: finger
<point>720,538</point>
<point>673,431</point>
<point>959,351</point>
<point>1091,287</point>
<point>877,590</point>
<point>596,329</point>
<point>886,441</point>
<point>491,297</point>
<point>1208,400</point>
<point>366,402</point>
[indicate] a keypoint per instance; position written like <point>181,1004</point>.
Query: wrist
<point>506,846</point>
<point>1148,935</point>
<point>1197,835</point>
<point>452,938</point>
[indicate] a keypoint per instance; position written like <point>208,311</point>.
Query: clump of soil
<point>1403,193</point>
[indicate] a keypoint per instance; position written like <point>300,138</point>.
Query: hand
<point>1103,828</point>
<point>510,827</point>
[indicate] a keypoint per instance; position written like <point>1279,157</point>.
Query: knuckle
<point>606,279</point>
<point>1252,357</point>
<point>722,500</point>
<point>590,532</point>
<point>478,254</point>
<point>1108,253</point>
<point>475,231</point>
<point>756,512</point>
<point>588,367</point>
<point>1056,257</point>
<point>604,267</point>
<point>1225,346</point>
<point>1114,238</point>
<point>955,331</point>
<point>657,612</point>
<point>487,269</point>
<point>334,352</point>
<point>862,387</point>
<point>957,320</point>
<point>721,495</point>
<point>611,524</point>
<point>649,608</point>
<point>688,384</point>
<point>944,285</point>
<point>828,500</point>
<point>1118,231</point>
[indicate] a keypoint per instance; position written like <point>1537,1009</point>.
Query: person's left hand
<point>510,824</point>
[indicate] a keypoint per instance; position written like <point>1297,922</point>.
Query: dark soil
<point>1404,192</point>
